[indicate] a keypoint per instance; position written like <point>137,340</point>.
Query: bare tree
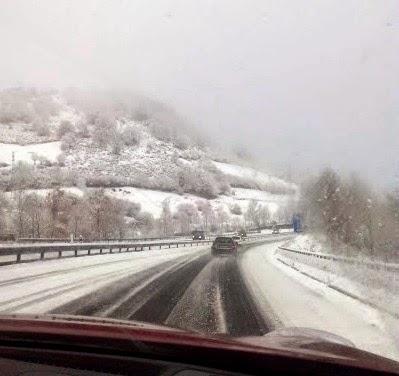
<point>252,214</point>
<point>186,213</point>
<point>236,209</point>
<point>166,218</point>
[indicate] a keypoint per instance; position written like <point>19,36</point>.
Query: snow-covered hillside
<point>247,173</point>
<point>142,159</point>
<point>151,200</point>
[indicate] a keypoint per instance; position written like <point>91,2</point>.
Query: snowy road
<point>184,287</point>
<point>188,288</point>
<point>196,292</point>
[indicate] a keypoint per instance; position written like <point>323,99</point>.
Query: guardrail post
<point>18,257</point>
<point>177,245</point>
<point>110,249</point>
<point>41,255</point>
<point>89,251</point>
<point>142,248</point>
<point>120,249</point>
<point>160,247</point>
<point>149,247</point>
<point>169,245</point>
<point>101,251</point>
<point>76,252</point>
<point>59,254</point>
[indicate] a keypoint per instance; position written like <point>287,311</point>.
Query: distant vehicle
<point>224,245</point>
<point>297,222</point>
<point>237,238</point>
<point>275,229</point>
<point>243,234</point>
<point>198,235</point>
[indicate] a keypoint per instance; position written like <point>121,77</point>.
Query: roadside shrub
<point>61,160</point>
<point>104,128</point>
<point>40,128</point>
<point>64,128</point>
<point>68,141</point>
<point>131,136</point>
<point>236,209</point>
<point>83,129</point>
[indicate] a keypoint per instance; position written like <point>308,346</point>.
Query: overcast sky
<point>302,84</point>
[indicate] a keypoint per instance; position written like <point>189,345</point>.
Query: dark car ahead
<point>224,245</point>
<point>198,235</point>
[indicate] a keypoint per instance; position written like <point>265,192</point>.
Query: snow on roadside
<point>376,285</point>
<point>296,300</point>
<point>307,243</point>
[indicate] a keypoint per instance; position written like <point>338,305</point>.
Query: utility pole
<point>12,161</point>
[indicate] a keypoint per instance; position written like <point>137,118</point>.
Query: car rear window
<point>223,240</point>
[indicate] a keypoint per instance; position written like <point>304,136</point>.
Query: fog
<point>299,84</point>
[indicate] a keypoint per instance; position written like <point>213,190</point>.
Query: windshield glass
<point>135,133</point>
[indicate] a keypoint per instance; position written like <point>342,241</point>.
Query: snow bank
<point>376,284</point>
<point>293,299</point>
<point>307,243</point>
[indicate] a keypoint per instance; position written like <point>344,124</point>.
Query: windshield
<point>134,135</point>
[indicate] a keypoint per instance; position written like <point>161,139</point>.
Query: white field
<point>151,200</point>
<point>250,173</point>
<point>49,150</point>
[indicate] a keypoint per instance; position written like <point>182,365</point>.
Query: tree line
<point>352,216</point>
<point>96,215</point>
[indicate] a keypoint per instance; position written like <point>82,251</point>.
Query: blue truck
<point>297,222</point>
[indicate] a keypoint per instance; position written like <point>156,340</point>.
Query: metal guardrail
<point>68,240</point>
<point>18,251</point>
<point>86,249</point>
<point>347,260</point>
<point>187,236</point>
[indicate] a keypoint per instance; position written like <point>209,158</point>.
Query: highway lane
<point>42,286</point>
<point>203,293</point>
<point>185,288</point>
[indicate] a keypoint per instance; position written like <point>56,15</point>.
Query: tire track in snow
<point>200,307</point>
<point>241,315</point>
<point>162,295</point>
<point>43,295</point>
<point>99,300</point>
<point>128,297</point>
<point>46,294</point>
<point>217,301</point>
<point>62,272</point>
<point>194,292</point>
